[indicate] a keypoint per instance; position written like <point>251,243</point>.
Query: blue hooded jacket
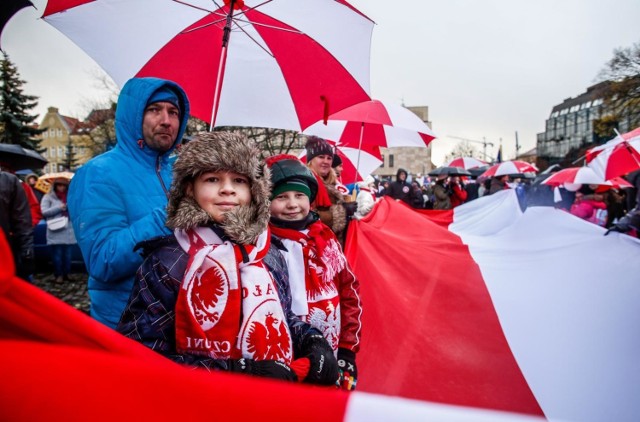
<point>119,198</point>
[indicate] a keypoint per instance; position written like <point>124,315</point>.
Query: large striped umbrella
<point>279,63</point>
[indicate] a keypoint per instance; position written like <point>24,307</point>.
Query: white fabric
<point>294,256</point>
<point>567,299</point>
<point>368,407</point>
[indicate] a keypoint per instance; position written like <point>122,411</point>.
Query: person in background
<point>59,239</point>
<point>215,294</point>
<point>441,197</point>
<point>326,293</point>
<point>118,198</point>
<point>32,180</point>
<point>400,189</point>
<point>457,193</point>
<point>15,220</point>
<point>329,202</point>
<point>498,183</point>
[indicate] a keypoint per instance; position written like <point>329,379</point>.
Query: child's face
<point>290,206</point>
<point>220,192</point>
<point>321,164</point>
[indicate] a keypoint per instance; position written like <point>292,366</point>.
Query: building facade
<point>67,142</point>
<point>570,125</point>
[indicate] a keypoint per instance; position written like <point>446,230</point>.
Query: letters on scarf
<point>228,305</point>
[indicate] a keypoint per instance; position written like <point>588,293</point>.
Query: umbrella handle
<point>355,177</point>
<point>226,34</point>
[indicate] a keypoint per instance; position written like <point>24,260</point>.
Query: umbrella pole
<point>223,58</point>
<point>355,178</point>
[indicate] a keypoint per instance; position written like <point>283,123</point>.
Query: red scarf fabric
<point>228,308</point>
<point>322,259</point>
<point>322,197</point>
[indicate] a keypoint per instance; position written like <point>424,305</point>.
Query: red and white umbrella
<point>575,175</point>
<point>374,124</point>
<point>509,168</point>
<point>466,163</point>
<point>278,63</point>
<point>353,172</point>
<point>619,156</point>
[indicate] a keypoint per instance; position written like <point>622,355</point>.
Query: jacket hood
<point>401,170</point>
<point>130,114</point>
<point>219,151</point>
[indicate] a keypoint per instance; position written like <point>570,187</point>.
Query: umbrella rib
<point>255,41</point>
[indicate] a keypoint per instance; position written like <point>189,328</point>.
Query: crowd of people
<point>218,259</point>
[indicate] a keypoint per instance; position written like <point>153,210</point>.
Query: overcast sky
<point>485,68</point>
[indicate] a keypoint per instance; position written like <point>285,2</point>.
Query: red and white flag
<point>489,307</point>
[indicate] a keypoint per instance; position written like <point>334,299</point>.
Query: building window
<point>60,152</point>
<point>390,160</point>
<point>52,152</point>
<point>52,132</point>
<point>45,135</point>
<point>383,160</point>
<point>59,132</point>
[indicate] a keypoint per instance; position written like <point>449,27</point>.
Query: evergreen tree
<point>16,125</point>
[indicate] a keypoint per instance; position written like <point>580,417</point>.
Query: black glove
<point>350,208</point>
<point>348,369</point>
<point>263,368</point>
<point>323,367</point>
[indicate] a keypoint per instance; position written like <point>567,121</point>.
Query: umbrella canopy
<point>466,163</point>
<point>449,171</point>
<point>374,124</point>
<point>10,8</point>
<point>17,158</point>
<point>49,177</point>
<point>513,167</point>
<point>247,63</point>
<point>617,157</point>
<point>575,175</point>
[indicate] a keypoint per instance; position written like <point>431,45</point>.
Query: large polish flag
<point>483,314</point>
<point>489,307</point>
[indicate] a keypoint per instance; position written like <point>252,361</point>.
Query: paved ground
<point>72,292</point>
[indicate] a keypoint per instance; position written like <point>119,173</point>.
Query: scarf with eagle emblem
<point>228,305</point>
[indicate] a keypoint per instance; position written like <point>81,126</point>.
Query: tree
<point>622,95</point>
<point>270,141</point>
<point>17,126</point>
<point>463,149</point>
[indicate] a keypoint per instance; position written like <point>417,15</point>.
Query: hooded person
<point>325,291</point>
<point>215,293</point>
<point>118,198</point>
<point>441,197</point>
<point>400,189</point>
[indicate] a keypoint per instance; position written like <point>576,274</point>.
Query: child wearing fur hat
<point>325,292</point>
<point>215,294</point>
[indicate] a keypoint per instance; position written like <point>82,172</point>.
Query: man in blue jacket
<point>118,198</point>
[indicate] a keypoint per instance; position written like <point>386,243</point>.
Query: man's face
<point>321,164</point>
<point>160,126</point>
<point>403,176</point>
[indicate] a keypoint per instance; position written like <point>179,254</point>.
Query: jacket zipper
<point>164,188</point>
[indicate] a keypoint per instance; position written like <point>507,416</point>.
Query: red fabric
<point>36,212</point>
<point>61,362</point>
<point>322,197</point>
<point>430,331</point>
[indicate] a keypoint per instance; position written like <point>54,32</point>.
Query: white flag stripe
<point>567,299</point>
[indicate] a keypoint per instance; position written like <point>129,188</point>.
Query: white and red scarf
<point>228,305</point>
<point>314,260</point>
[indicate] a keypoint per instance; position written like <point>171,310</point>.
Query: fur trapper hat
<point>220,151</point>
